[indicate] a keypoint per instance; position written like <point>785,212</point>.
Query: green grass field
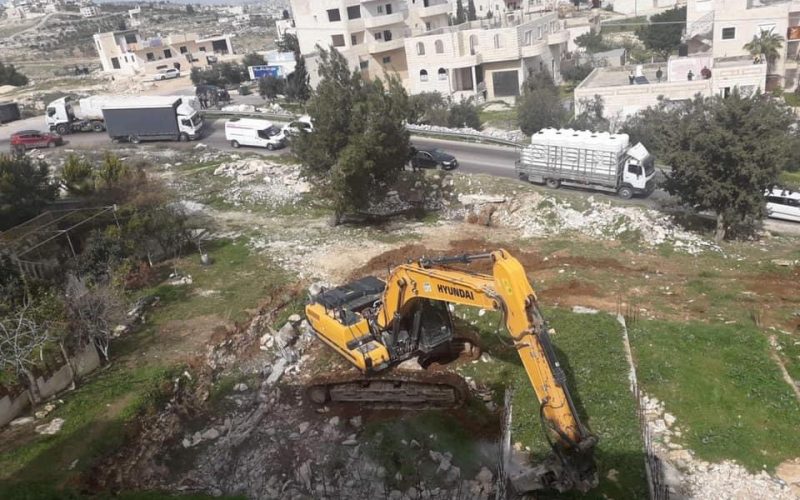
<point>723,387</point>
<point>590,348</point>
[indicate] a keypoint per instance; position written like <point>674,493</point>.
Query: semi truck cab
<point>190,121</point>
<point>60,115</point>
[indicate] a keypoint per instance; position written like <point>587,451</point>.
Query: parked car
<point>168,74</point>
<point>783,204</point>
<point>33,139</point>
<point>254,132</point>
<point>302,124</point>
<point>433,158</point>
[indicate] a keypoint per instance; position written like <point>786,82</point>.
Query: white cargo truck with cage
<point>595,160</point>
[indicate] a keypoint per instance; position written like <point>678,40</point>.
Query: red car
<point>32,139</point>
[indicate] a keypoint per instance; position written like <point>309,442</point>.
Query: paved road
<point>472,157</point>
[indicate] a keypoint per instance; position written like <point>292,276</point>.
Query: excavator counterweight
<point>377,325</point>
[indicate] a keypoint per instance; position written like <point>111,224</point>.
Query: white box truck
<point>597,160</point>
<point>254,132</point>
<point>66,116</point>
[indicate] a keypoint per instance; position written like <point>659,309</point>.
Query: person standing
<point>659,74</point>
<point>689,75</point>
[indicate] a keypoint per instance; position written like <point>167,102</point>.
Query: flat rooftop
<point>618,76</point>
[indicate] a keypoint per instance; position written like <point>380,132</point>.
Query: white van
<point>254,132</point>
<point>783,204</point>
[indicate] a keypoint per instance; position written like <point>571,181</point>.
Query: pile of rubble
<point>689,477</point>
<point>538,215</point>
<point>273,109</point>
<point>257,181</point>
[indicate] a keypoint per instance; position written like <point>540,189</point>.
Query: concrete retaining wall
<point>85,361</point>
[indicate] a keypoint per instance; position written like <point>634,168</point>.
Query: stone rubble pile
<point>257,181</point>
<point>539,215</point>
<point>273,109</point>
<point>690,477</point>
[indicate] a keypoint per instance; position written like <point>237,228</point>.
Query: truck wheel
<point>552,183</point>
<point>183,137</point>
<point>61,129</point>
<point>523,177</point>
<point>97,127</point>
<point>270,147</point>
<point>51,144</point>
<point>134,139</point>
<point>235,144</point>
<point>625,192</point>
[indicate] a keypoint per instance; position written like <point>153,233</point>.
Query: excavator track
<point>394,389</point>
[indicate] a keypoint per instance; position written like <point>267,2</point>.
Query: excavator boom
<point>377,325</point>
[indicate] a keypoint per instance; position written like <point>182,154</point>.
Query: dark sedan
<point>433,158</point>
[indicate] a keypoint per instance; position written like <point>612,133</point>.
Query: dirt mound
<point>530,260</point>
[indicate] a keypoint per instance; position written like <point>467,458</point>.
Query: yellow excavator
<point>377,325</point>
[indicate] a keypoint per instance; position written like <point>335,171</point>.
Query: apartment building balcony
<point>533,50</point>
<point>429,9</point>
<point>558,37</point>
<point>384,20</point>
<point>378,46</point>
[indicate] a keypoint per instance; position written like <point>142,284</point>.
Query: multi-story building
<point>126,52</point>
<point>369,33</point>
<point>488,58</point>
<point>723,27</point>
<point>715,35</point>
<point>89,11</point>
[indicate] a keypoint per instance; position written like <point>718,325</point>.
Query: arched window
<point>423,75</point>
<point>420,49</point>
<point>439,47</point>
<point>473,44</point>
<point>498,42</point>
<point>442,74</point>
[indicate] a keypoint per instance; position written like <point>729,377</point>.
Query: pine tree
<point>539,106</point>
<point>297,83</point>
<point>471,14</point>
<point>461,16</point>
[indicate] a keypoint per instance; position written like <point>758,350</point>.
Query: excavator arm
<point>506,290</point>
<point>376,325</point>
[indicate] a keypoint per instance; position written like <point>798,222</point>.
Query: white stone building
<point>489,59</point>
<point>127,53</point>
<point>723,27</point>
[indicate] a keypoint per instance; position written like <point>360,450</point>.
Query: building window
<point>167,53</point>
<point>183,49</point>
<point>473,44</point>
<point>378,36</point>
<point>130,38</point>
<point>442,74</point>
<point>387,35</point>
<point>728,33</point>
<point>420,49</point>
<point>388,9</point>
<point>380,9</point>
<point>387,59</point>
<point>497,41</point>
<point>353,40</point>
<point>115,63</point>
<point>202,49</point>
<point>423,75</point>
<point>528,38</point>
<point>363,64</point>
<point>333,15</point>
<point>427,26</point>
<point>439,47</point>
<point>539,33</point>
<point>151,56</point>
<point>338,40</point>
<point>354,12</point>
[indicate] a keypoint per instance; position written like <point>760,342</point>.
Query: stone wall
<point>84,361</point>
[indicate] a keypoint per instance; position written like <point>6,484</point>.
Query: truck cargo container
<point>9,112</point>
<point>152,118</point>
<point>596,160</point>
